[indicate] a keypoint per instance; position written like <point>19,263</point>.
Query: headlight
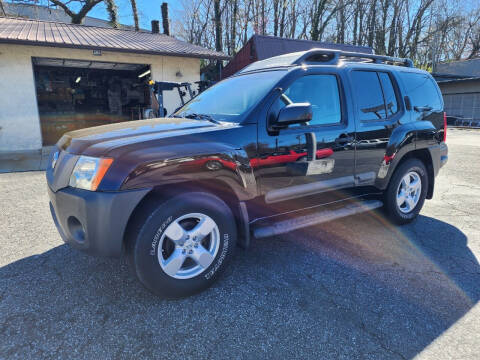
<point>89,172</point>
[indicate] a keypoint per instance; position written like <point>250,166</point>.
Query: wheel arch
<point>161,193</point>
<point>426,158</point>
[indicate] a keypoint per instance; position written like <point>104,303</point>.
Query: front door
<point>278,166</point>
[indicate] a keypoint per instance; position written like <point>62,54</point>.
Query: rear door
<point>378,110</point>
<point>334,132</point>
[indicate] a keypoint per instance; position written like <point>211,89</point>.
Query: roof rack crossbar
<point>332,57</point>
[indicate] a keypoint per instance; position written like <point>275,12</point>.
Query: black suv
<point>287,142</point>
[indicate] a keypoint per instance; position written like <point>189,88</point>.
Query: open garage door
<point>75,94</point>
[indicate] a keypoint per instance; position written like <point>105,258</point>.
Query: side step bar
<point>319,217</point>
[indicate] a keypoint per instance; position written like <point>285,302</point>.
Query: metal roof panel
<point>270,46</point>
<point>47,33</point>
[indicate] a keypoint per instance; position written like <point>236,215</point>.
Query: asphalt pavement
<point>357,288</point>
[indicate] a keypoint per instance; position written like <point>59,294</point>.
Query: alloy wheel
<point>188,245</point>
<point>408,192</point>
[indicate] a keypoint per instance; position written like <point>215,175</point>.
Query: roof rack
<point>331,57</point>
<point>323,56</point>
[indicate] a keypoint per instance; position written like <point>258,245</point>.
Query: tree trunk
<point>276,17</point>
<point>380,32</point>
<point>355,22</point>
<point>233,25</point>
<point>360,24</point>
<point>112,13</point>
<point>2,9</point>
<point>293,15</point>
<point>341,24</point>
<point>135,14</point>
<point>218,25</point>
<point>414,30</point>
<point>282,21</point>
<point>263,18</point>
<point>392,38</point>
<point>371,23</point>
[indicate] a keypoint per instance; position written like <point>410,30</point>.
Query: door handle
<point>343,139</point>
<point>422,108</point>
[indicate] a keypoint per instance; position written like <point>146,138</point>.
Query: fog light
<point>76,229</point>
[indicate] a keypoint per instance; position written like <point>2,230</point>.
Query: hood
<point>100,140</point>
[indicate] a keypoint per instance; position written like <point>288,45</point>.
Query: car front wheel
<point>181,246</point>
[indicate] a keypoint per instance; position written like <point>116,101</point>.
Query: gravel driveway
<point>354,288</point>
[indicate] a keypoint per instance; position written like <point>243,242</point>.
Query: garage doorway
<point>76,94</point>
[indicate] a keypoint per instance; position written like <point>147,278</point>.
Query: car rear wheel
<point>181,246</point>
<point>406,193</point>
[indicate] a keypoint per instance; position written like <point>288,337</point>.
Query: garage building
<point>57,77</point>
<point>459,82</point>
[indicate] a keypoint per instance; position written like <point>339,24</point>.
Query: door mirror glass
<point>294,113</point>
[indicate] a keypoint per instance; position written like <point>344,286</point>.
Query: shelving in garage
<point>74,94</point>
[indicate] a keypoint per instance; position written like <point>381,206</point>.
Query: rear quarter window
<point>422,90</point>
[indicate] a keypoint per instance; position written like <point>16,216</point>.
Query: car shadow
<point>353,288</point>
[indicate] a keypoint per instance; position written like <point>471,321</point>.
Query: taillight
<point>444,127</point>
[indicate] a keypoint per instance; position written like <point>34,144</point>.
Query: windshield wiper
<point>201,117</point>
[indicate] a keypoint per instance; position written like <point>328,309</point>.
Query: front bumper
<point>94,222</point>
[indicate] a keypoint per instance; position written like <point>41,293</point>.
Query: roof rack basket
<point>333,57</point>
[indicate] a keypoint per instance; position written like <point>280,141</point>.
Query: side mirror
<point>294,113</point>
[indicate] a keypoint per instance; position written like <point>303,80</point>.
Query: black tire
<point>143,242</point>
<point>390,196</point>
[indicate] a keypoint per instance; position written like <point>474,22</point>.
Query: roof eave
<point>112,49</point>
<point>458,80</point>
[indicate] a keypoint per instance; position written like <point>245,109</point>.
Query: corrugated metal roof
<point>462,67</point>
<point>451,81</point>
<point>49,13</point>
<point>269,46</point>
<point>46,33</point>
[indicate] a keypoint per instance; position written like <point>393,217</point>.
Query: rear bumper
<point>94,222</point>
<point>439,155</point>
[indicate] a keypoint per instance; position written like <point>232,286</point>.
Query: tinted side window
<point>422,90</point>
<point>368,95</point>
<point>388,93</point>
<point>322,92</point>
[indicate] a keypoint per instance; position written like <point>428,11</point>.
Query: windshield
<point>232,98</point>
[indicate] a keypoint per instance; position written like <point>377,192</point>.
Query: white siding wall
<point>19,119</point>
